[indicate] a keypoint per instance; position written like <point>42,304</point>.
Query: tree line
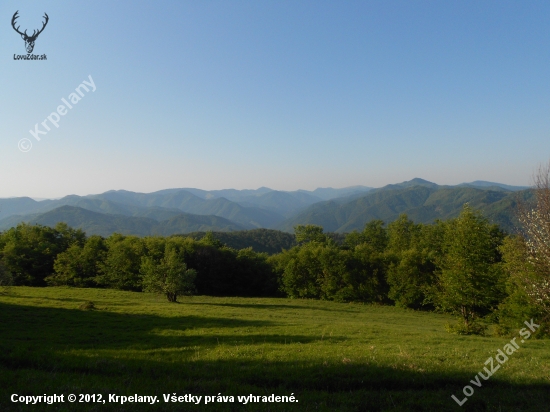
<point>35,255</point>
<point>464,266</point>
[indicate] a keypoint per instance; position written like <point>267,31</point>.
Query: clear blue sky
<point>284,94</point>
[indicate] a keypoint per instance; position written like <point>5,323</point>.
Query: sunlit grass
<point>332,356</point>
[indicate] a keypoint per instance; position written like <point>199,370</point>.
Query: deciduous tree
<point>469,282</point>
<point>169,276</point>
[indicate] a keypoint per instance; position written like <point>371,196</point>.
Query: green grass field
<point>331,356</point>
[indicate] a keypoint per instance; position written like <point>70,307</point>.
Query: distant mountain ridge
<point>259,208</point>
<point>187,210</point>
<point>421,200</point>
<point>488,185</point>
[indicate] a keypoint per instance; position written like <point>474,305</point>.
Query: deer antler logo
<point>29,40</point>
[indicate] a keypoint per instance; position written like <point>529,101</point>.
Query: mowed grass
<point>331,356</point>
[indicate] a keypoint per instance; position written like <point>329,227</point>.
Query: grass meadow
<point>331,356</point>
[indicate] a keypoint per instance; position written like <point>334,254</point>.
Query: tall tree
<point>469,282</point>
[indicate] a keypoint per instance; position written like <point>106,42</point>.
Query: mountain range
<point>173,211</point>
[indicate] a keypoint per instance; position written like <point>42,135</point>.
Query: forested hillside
<point>105,224</point>
<point>260,240</point>
<point>422,202</point>
<point>173,211</point>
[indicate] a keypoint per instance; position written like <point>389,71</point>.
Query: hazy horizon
<point>287,95</point>
<point>246,188</point>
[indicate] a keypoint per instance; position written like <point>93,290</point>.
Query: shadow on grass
<point>78,329</point>
<point>51,350</point>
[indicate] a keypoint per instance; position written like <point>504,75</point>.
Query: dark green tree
<point>80,265</point>
<point>374,234</point>
<point>256,276</point>
<point>29,251</point>
<point>301,269</point>
<point>413,263</point>
<point>309,233</point>
<point>402,233</point>
<point>121,268</point>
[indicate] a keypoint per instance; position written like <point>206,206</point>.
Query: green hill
<point>103,224</point>
<point>423,203</point>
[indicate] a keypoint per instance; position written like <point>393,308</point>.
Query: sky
<point>284,94</point>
